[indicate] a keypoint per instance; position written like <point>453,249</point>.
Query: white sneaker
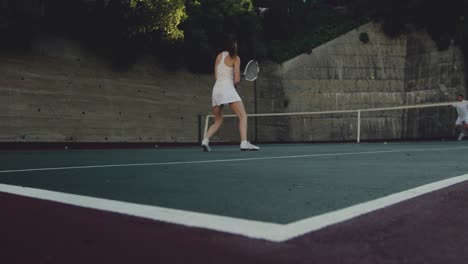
<point>460,137</point>
<point>245,145</point>
<point>206,145</point>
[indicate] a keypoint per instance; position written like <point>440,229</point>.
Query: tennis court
<point>288,203</point>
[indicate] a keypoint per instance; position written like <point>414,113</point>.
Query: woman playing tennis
<point>227,76</point>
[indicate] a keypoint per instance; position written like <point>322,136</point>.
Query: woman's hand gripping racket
<point>251,71</point>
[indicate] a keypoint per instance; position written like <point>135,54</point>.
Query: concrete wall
<point>60,92</point>
<point>347,74</point>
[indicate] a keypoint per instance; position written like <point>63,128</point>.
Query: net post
<point>358,126</point>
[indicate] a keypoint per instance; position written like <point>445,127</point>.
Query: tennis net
<point>409,122</point>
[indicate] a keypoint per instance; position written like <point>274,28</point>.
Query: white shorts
<point>461,121</point>
<point>224,92</point>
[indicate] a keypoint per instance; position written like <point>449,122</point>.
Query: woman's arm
<point>237,70</point>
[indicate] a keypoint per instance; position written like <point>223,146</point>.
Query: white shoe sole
<point>249,149</point>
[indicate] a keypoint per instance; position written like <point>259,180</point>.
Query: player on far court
<point>227,76</point>
<point>461,124</point>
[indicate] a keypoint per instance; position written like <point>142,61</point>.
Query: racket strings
<point>251,71</point>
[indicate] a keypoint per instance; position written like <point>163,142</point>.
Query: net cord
<point>358,111</point>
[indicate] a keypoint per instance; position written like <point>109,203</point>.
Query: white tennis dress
<point>224,91</point>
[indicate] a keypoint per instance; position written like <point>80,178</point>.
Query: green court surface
<point>279,184</point>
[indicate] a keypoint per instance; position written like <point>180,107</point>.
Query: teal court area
<point>280,184</point>
<point>290,203</point>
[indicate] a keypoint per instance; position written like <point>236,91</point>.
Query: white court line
<point>253,229</point>
<point>227,160</point>
<point>311,224</point>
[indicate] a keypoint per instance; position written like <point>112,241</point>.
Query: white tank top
<point>224,72</point>
<point>462,109</point>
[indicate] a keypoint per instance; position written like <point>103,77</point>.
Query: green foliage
<point>17,24</point>
<point>292,27</point>
<point>191,32</point>
<point>442,20</point>
<point>120,30</point>
<point>159,16</point>
<point>445,21</point>
<point>208,24</point>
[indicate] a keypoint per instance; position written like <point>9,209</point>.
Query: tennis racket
<point>251,71</point>
<point>444,90</point>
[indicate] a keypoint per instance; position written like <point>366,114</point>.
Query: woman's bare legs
<point>238,108</point>
<point>218,115</point>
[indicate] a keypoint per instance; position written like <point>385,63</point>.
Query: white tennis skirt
<point>224,92</point>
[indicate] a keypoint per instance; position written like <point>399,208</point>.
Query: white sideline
<point>253,229</point>
<point>311,224</point>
